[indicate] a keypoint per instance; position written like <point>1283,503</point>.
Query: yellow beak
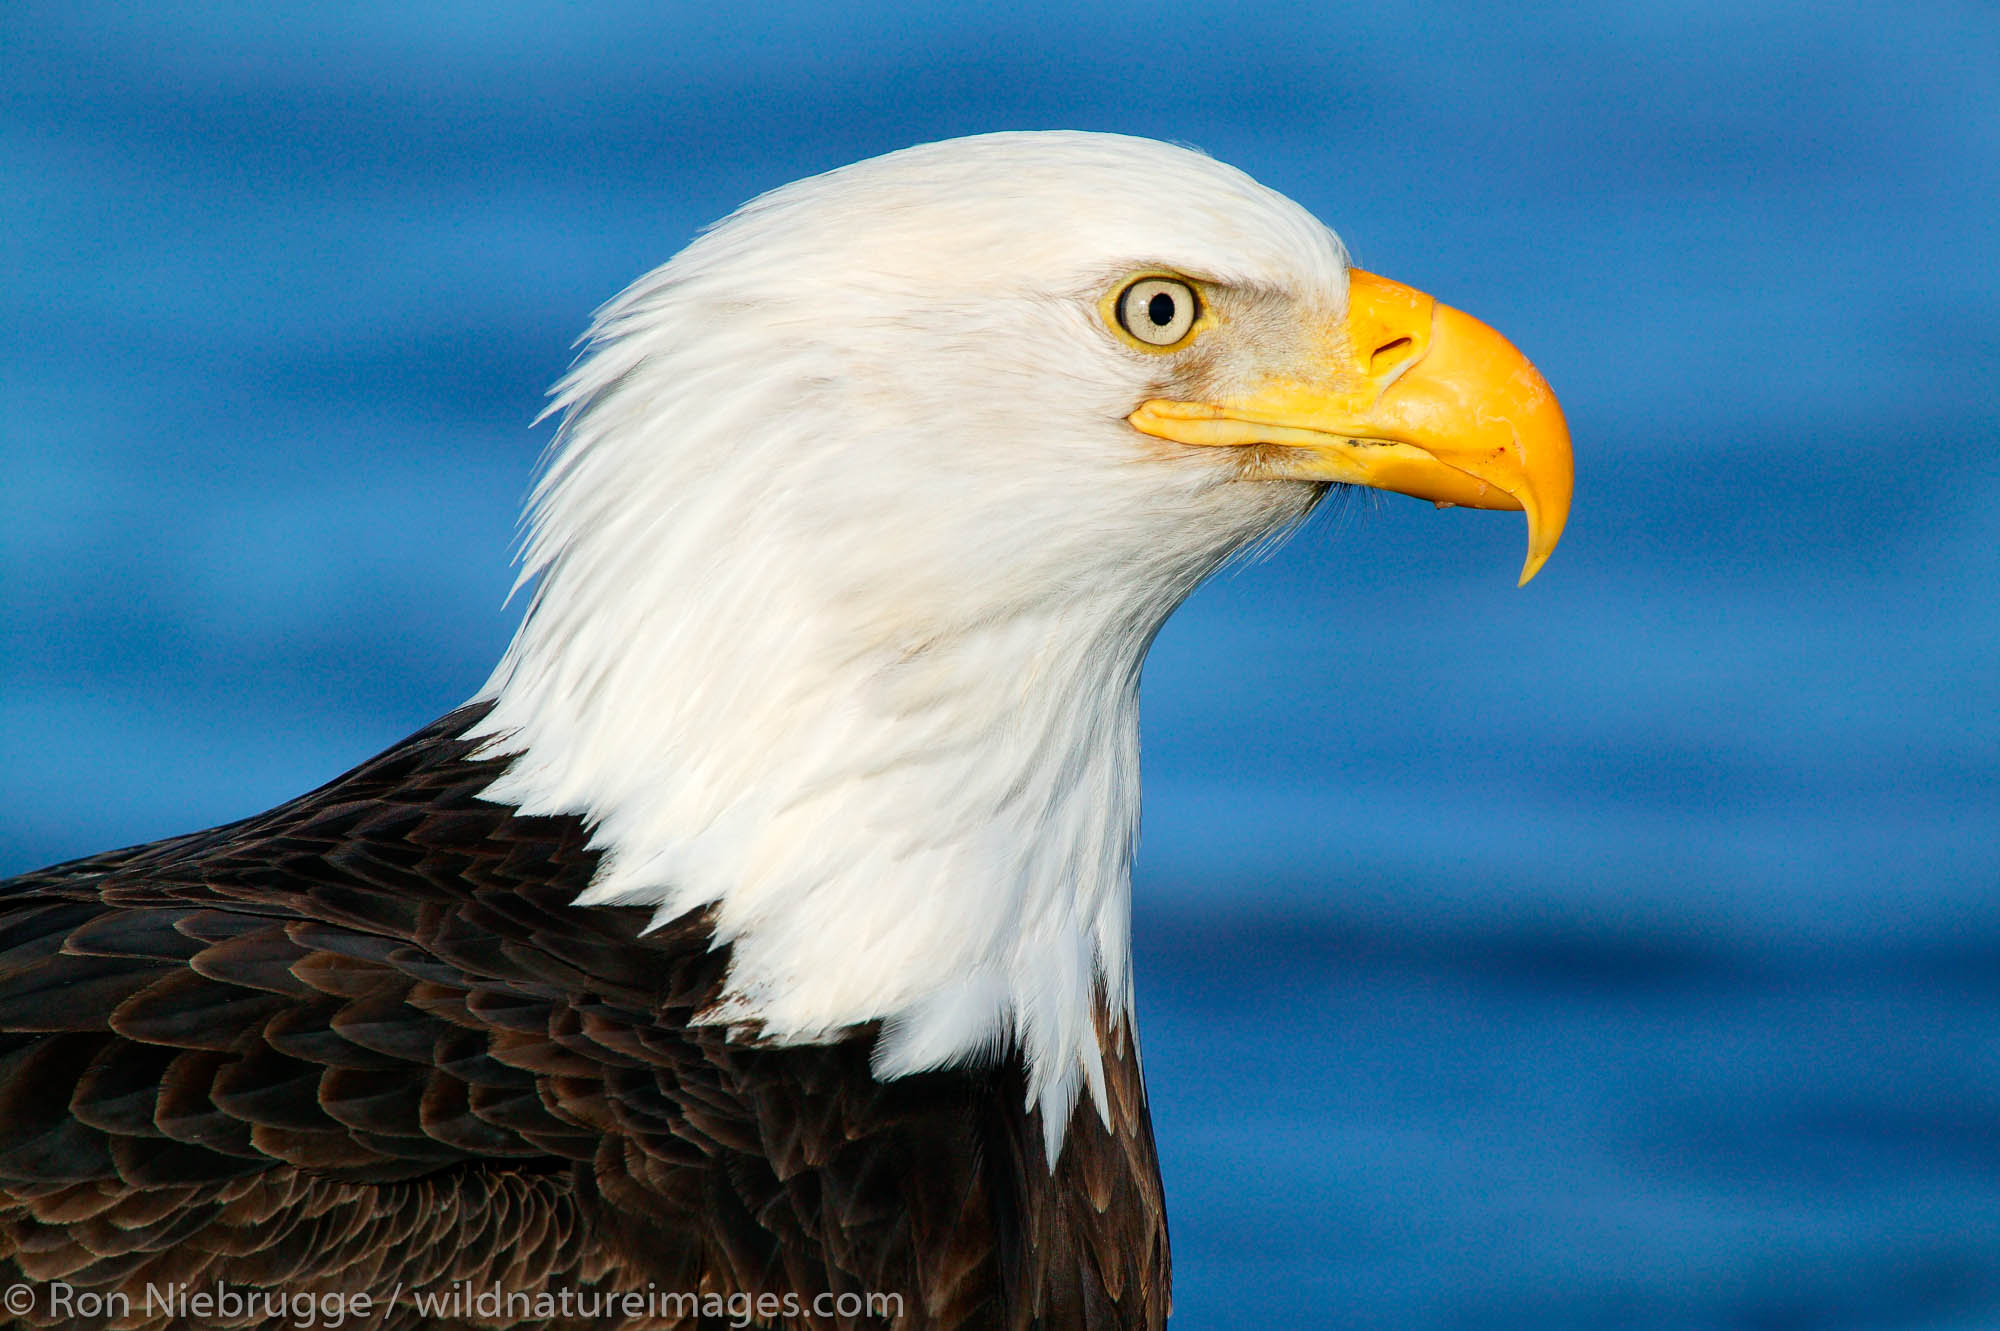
<point>1407,395</point>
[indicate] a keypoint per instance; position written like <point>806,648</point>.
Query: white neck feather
<point>838,630</point>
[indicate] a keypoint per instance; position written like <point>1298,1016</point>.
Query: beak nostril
<point>1389,355</point>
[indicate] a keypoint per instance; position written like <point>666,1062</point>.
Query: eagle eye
<point>1158,311</point>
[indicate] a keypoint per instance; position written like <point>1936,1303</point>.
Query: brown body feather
<point>364,1043</point>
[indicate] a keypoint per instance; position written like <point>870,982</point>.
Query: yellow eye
<point>1158,311</point>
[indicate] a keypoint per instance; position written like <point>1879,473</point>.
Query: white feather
<point>846,563</point>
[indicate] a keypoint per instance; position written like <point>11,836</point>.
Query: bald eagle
<point>753,946</point>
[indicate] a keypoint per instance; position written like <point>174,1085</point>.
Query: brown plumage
<point>364,1043</point>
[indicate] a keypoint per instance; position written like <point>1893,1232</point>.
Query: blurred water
<point>1620,952</point>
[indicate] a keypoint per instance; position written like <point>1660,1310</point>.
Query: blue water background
<point>1624,951</point>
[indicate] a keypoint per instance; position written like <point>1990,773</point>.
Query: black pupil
<point>1160,309</point>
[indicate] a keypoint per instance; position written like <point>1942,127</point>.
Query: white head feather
<point>847,562</point>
